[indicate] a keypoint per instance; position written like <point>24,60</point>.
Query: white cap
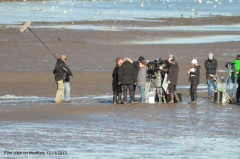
<point>194,61</point>
<point>170,56</point>
<point>210,55</point>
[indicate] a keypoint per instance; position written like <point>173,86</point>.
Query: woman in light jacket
<point>141,79</point>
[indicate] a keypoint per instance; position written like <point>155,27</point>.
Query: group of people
<point>128,75</point>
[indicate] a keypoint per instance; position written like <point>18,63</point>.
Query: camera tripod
<point>158,85</point>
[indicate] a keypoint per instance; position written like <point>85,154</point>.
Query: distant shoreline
<point>150,22</point>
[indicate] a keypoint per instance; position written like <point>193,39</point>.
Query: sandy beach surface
<point>91,126</point>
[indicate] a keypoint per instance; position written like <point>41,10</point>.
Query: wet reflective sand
<point>204,130</point>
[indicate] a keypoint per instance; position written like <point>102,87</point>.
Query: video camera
<point>153,67</point>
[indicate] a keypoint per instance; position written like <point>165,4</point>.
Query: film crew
<point>238,89</point>
<point>59,71</point>
<point>117,89</point>
<point>127,77</point>
<point>235,76</point>
<point>166,68</point>
<point>66,87</point>
<point>194,78</point>
<point>141,79</point>
<point>172,80</point>
<point>211,67</point>
<point>137,67</point>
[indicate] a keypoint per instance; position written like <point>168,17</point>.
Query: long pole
<point>42,42</point>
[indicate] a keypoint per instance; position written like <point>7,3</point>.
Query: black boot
<point>114,99</point>
<point>176,96</point>
<point>191,95</point>
<point>194,98</point>
<point>171,98</point>
<point>119,98</point>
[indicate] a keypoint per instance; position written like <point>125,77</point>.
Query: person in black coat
<point>194,78</point>
<point>211,67</point>
<point>172,80</point>
<point>127,77</point>
<point>60,71</point>
<point>117,89</point>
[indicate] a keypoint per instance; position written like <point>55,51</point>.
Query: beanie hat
<point>170,56</point>
<point>194,61</point>
<point>210,55</point>
<point>141,58</point>
<point>63,57</point>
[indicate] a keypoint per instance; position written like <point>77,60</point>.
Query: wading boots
<point>119,98</point>
<point>171,98</point>
<point>114,99</point>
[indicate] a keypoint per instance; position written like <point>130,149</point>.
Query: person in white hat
<point>211,67</point>
<point>194,74</point>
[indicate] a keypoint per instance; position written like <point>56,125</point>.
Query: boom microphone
<point>25,26</point>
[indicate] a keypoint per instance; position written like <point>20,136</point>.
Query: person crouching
<point>127,77</point>
<point>141,79</point>
<point>117,89</point>
<point>194,76</point>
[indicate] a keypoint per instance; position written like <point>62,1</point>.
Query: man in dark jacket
<point>60,71</point>
<point>127,77</point>
<point>211,67</point>
<point>172,80</point>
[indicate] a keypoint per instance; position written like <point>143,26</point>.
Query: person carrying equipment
<point>60,71</point>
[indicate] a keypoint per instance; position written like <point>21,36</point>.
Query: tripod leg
<point>163,96</point>
<point>159,95</point>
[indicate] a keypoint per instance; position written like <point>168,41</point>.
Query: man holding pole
<point>60,71</point>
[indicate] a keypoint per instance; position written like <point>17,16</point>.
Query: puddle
<point>186,40</point>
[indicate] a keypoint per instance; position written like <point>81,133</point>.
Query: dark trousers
<point>116,92</point>
<point>193,88</point>
<point>238,92</point>
<point>172,88</point>
<point>131,92</point>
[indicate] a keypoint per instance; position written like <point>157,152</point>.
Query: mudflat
<point>91,126</point>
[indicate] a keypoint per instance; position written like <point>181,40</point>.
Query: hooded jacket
<point>127,72</point>
<point>195,75</point>
<point>59,70</point>
<point>173,73</point>
<point>237,66</point>
<point>211,66</point>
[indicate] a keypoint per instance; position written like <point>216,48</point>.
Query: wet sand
<point>93,127</point>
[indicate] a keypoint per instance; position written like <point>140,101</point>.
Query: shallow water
<point>162,28</point>
<point>186,40</point>
<point>63,10</point>
<point>189,131</point>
